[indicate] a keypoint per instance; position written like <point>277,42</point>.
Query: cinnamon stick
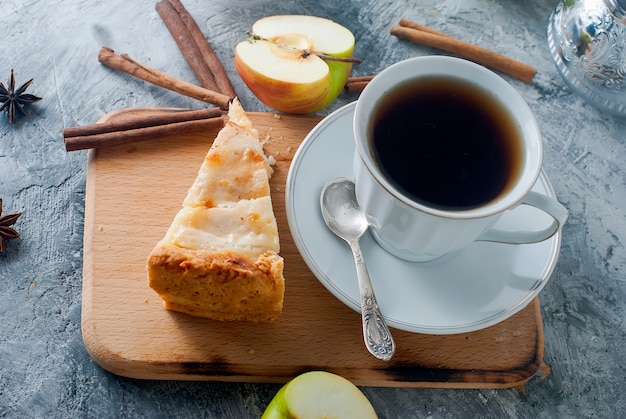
<point>357,84</point>
<point>356,79</point>
<point>143,121</point>
<point>125,136</point>
<point>206,51</point>
<point>186,44</point>
<point>414,25</point>
<point>126,64</point>
<point>420,34</point>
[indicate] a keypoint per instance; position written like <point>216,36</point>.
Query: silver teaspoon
<point>343,216</point>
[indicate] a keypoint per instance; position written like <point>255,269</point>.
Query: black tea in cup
<point>446,143</point>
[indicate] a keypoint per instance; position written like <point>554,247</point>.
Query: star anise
<point>6,231</point>
<point>15,99</point>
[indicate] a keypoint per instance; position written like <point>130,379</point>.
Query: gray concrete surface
<point>44,368</point>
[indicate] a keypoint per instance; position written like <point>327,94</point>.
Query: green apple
<point>295,63</point>
<point>317,395</point>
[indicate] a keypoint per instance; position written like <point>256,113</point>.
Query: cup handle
<point>542,202</point>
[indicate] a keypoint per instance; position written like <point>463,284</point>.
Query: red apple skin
<point>284,96</point>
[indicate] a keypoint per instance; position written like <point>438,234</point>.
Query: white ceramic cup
<point>416,232</point>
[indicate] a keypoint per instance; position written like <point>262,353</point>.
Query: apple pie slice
<point>219,258</point>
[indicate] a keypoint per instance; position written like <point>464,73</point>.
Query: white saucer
<point>467,291</point>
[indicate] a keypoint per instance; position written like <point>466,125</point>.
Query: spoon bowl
<point>343,216</point>
<point>341,211</point>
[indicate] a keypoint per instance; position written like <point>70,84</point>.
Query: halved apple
<point>295,63</point>
<point>319,394</point>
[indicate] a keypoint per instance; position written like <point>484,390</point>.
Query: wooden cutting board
<point>133,193</point>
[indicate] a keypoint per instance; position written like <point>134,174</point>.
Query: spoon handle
<point>376,334</point>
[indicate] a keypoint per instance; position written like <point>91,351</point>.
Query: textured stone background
<point>44,369</point>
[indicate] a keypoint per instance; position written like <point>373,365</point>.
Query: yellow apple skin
<point>319,395</point>
<point>339,73</point>
<point>291,96</point>
<point>278,409</point>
